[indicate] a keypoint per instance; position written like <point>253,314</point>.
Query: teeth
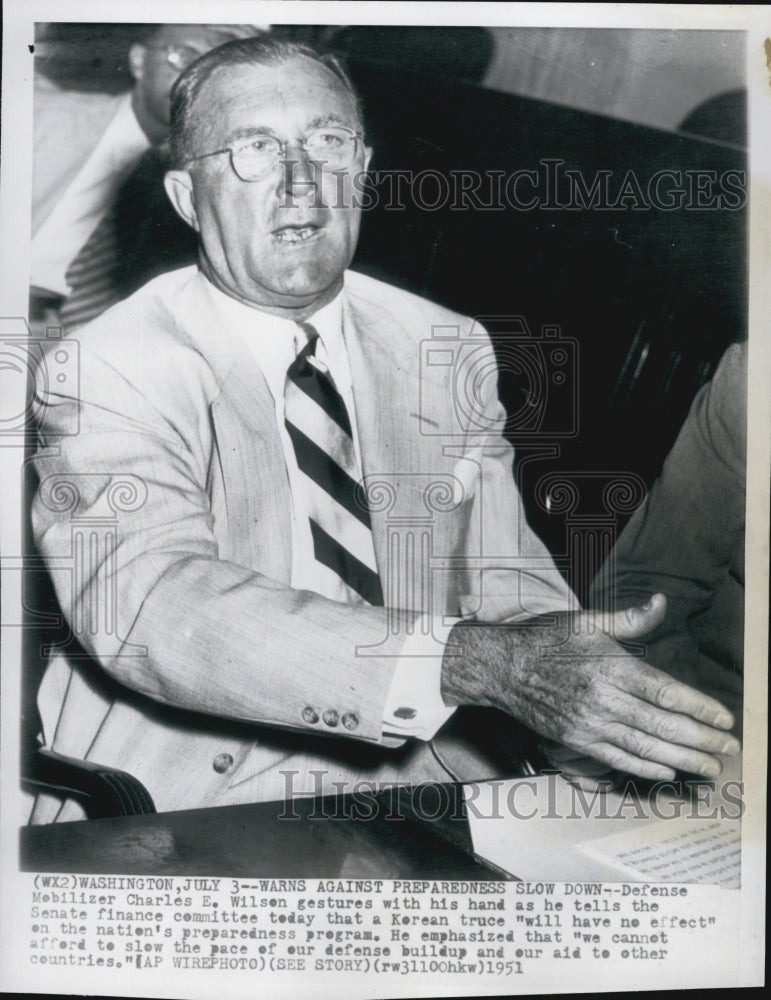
<point>295,235</point>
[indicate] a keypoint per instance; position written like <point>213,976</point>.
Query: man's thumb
<point>634,623</point>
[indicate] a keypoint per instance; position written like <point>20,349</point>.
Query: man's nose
<point>299,172</point>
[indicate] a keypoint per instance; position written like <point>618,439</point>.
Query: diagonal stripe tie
<point>320,431</point>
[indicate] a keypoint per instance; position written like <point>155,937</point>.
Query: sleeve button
<point>222,762</point>
<point>331,717</point>
<point>310,715</point>
<point>351,720</point>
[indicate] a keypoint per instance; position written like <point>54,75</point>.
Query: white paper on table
<point>678,850</point>
<point>542,828</point>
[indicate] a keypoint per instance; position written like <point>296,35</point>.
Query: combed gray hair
<point>262,50</point>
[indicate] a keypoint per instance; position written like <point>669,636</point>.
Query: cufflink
<point>310,715</point>
<point>222,762</point>
<point>330,717</point>
<point>350,720</point>
<point>405,713</point>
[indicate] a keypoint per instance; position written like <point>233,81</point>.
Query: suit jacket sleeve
<point>686,539</point>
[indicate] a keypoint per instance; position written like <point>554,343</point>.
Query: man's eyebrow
<point>329,120</point>
<point>245,131</point>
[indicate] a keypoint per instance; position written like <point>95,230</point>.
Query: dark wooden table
<point>387,836</point>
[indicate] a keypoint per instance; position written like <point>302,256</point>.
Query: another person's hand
<point>571,682</point>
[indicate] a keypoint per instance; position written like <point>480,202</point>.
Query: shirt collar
<point>328,323</point>
<point>274,342</point>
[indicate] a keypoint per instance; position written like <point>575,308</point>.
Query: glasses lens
<point>333,148</point>
<point>255,157</point>
<point>181,56</point>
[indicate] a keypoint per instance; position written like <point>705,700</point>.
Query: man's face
<point>155,72</point>
<point>280,243</point>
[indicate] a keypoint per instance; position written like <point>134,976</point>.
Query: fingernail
<point>712,769</point>
<point>730,747</point>
<point>647,606</point>
<point>724,720</point>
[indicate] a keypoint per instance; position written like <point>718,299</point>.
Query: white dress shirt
<point>414,706</point>
<point>84,203</point>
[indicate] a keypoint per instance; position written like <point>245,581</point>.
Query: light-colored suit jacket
<point>67,127</point>
<point>164,514</point>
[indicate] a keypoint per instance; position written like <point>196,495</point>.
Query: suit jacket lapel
<point>250,452</point>
<point>248,447</point>
<point>402,456</point>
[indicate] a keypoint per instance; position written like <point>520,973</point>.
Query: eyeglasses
<point>179,57</point>
<point>333,147</point>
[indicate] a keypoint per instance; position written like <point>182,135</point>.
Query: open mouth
<point>295,234</point>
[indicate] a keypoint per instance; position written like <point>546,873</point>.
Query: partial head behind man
<point>158,58</point>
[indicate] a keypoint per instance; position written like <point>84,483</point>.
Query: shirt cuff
<point>414,706</point>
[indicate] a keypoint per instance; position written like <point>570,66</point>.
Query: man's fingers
<point>637,622</point>
<point>648,747</point>
<point>663,691</point>
<point>680,730</point>
<point>630,763</point>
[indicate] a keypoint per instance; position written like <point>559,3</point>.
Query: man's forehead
<point>300,85</point>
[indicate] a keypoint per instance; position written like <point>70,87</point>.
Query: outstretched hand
<point>573,683</point>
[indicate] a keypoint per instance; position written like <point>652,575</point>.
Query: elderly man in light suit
<point>219,652</point>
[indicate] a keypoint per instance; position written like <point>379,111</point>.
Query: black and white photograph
<point>385,446</point>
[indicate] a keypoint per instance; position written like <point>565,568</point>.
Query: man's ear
<point>179,188</point>
<point>136,57</point>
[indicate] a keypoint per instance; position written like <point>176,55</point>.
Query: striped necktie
<point>320,430</point>
<point>91,276</point>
